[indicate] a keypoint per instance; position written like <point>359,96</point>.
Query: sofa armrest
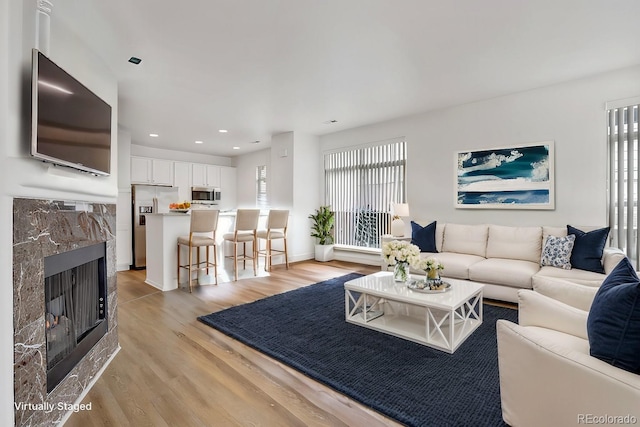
<point>548,378</point>
<point>611,257</point>
<point>573,294</point>
<point>535,309</point>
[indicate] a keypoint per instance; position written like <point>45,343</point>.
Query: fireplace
<point>75,307</point>
<point>64,331</point>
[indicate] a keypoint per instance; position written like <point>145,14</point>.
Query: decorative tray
<point>428,287</point>
<point>179,210</point>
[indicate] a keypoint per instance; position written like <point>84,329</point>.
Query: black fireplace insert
<point>75,307</point>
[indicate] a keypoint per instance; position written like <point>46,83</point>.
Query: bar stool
<point>276,229</point>
<point>202,221</point>
<point>245,231</point>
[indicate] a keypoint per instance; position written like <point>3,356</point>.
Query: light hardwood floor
<point>175,371</point>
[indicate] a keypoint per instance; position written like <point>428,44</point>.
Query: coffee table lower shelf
<point>443,329</point>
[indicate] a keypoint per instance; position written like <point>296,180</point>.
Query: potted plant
<point>321,229</point>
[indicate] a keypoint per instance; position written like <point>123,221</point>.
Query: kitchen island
<point>163,230</point>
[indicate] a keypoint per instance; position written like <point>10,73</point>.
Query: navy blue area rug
<point>413,384</point>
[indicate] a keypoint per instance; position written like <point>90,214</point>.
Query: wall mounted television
<point>70,125</point>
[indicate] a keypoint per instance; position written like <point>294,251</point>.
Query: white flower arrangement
<point>400,251</point>
<point>428,264</point>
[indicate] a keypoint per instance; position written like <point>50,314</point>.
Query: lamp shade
<point>401,209</point>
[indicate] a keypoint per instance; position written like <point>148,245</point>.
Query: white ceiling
<point>262,67</point>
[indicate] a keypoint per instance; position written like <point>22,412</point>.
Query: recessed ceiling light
<point>223,131</point>
<point>199,142</point>
<point>153,135</point>
<point>255,142</point>
<point>330,122</point>
<point>135,60</point>
<point>236,148</point>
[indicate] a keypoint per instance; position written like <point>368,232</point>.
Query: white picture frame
<point>512,177</point>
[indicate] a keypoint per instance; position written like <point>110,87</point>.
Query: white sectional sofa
<point>547,375</point>
<point>506,259</point>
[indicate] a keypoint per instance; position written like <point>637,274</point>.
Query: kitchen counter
<point>163,230</point>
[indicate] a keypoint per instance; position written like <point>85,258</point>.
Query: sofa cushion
<point>556,251</point>
<point>588,248</point>
<point>573,294</point>
<point>456,265</point>
<point>524,243</point>
<point>466,239</point>
<point>588,278</point>
<point>613,324</point>
<point>424,237</point>
<point>535,309</point>
<point>515,273</point>
<point>553,231</point>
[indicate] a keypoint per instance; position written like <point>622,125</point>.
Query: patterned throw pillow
<point>557,251</point>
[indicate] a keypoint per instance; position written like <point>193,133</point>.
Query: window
<point>261,187</point>
<point>360,186</point>
<point>623,179</point>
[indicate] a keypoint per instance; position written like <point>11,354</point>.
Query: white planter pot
<point>324,253</point>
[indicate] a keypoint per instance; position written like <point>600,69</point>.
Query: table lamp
<point>399,210</point>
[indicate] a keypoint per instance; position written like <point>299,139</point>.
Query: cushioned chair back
<point>278,219</point>
<point>247,219</point>
<point>203,221</point>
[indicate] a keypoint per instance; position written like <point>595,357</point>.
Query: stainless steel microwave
<point>205,194</point>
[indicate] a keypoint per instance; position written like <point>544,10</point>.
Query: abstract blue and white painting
<point>519,177</point>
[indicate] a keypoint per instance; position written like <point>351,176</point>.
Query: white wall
<point>123,205</point>
<point>24,176</point>
<point>6,228</point>
<point>246,176</point>
<point>572,114</point>
<point>183,156</point>
<point>306,178</point>
<point>280,174</point>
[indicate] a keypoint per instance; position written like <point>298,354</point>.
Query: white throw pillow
<point>557,251</point>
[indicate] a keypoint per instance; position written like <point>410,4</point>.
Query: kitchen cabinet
<point>205,175</point>
<point>151,171</point>
<point>182,180</point>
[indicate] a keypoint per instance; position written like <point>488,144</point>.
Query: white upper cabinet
<point>182,180</point>
<point>162,172</point>
<point>205,175</point>
<point>213,176</point>
<point>198,175</point>
<point>151,171</point>
<point>140,170</point>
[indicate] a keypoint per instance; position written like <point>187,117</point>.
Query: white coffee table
<point>439,320</point>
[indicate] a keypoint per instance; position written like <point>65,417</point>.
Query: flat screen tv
<point>70,125</point>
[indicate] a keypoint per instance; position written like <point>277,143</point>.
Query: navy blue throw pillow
<point>613,325</point>
<point>588,248</point>
<point>424,237</point>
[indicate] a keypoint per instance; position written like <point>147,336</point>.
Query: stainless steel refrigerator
<point>146,199</point>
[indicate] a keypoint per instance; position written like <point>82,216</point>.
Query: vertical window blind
<point>623,179</point>
<point>360,186</point>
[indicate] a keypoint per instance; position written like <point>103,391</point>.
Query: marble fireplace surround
<point>42,228</point>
